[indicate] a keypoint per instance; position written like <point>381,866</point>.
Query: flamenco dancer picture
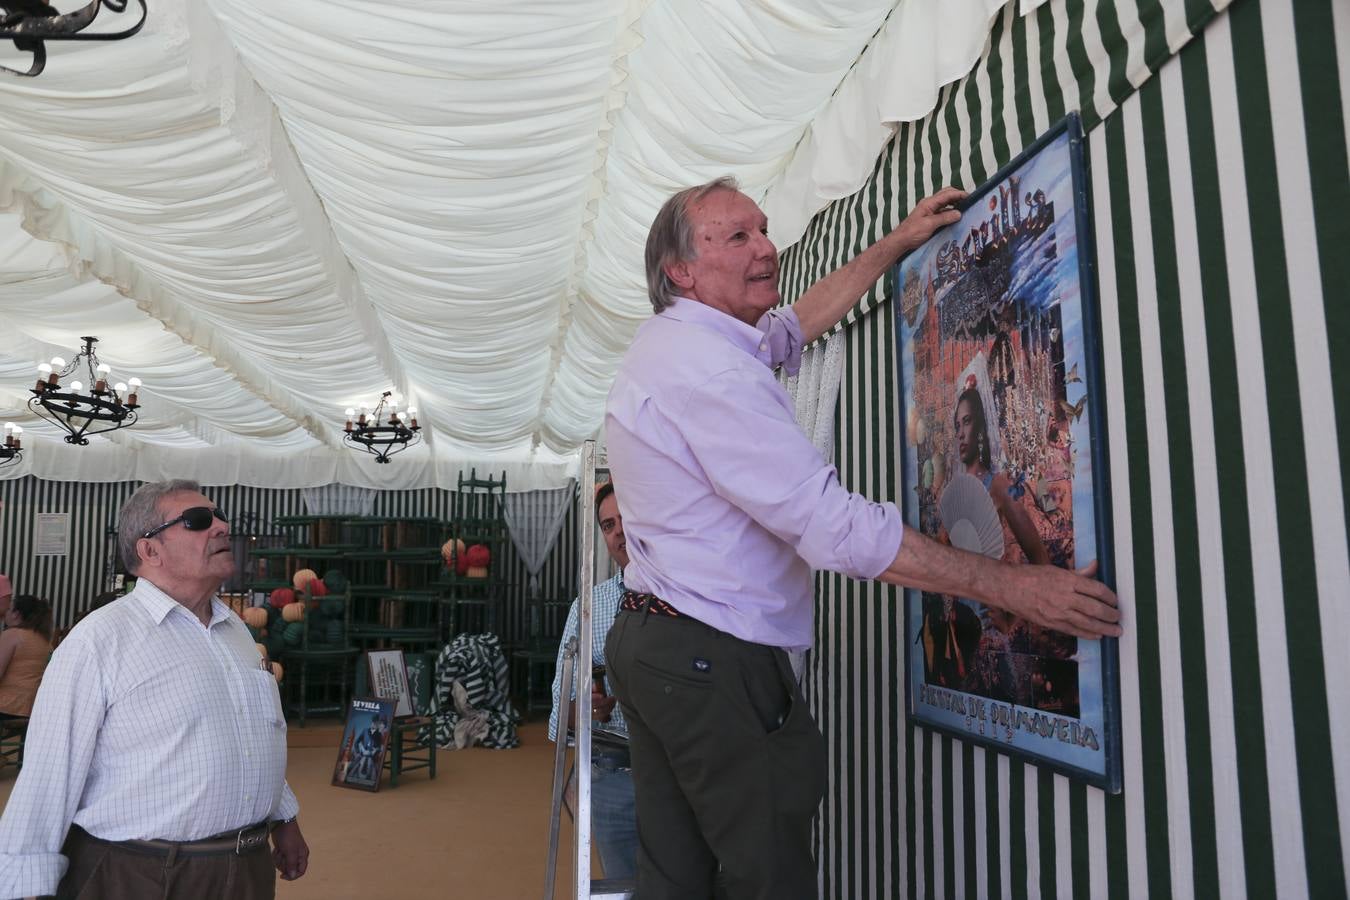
<point>995,413</point>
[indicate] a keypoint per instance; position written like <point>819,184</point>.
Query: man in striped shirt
<point>156,754</point>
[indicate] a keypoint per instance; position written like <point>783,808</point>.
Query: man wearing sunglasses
<point>156,752</point>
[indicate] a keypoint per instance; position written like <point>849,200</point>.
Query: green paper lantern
<point>335,581</point>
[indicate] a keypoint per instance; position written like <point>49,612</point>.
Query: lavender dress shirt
<point>727,507</point>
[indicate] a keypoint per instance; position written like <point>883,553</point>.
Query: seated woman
<point>25,647</point>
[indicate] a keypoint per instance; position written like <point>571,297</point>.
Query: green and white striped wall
<point>1222,222</point>
<point>71,582</point>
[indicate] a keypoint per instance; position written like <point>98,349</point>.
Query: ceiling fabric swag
<point>275,211</point>
<point>924,45</point>
<point>534,519</point>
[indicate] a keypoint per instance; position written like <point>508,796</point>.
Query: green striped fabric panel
<point>71,582</point>
<point>1220,187</point>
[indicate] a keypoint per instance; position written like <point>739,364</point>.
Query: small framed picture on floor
<point>389,678</point>
<point>365,740</point>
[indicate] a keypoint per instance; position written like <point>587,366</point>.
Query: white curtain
<point>339,500</point>
<point>815,391</point>
<point>815,395</point>
<point>535,518</point>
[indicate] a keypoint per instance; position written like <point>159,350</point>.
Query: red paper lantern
<point>280,597</point>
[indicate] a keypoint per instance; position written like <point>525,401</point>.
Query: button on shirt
<point>604,607</point>
<point>147,725</point>
<point>727,507</point>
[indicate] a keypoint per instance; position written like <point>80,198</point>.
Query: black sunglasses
<point>196,518</point>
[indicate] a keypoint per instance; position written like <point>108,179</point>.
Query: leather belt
<point>245,840</point>
<point>649,603</point>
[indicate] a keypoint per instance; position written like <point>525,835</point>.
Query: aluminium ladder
<point>579,649</point>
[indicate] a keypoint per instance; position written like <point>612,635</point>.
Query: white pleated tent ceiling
<point>273,211</point>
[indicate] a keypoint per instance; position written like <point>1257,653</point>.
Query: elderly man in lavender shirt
<point>727,509</point>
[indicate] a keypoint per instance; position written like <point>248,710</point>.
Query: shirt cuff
<point>888,541</point>
<point>289,807</point>
<point>31,875</point>
<point>783,333</point>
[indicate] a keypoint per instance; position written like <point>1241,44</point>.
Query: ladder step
<point>612,889</point>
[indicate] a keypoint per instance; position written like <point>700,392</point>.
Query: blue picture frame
<point>1003,450</point>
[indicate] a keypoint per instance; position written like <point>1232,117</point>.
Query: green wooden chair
<point>412,740</point>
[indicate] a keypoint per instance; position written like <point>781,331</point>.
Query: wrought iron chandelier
<point>12,451</point>
<point>380,436</point>
<point>77,412</point>
<point>29,23</point>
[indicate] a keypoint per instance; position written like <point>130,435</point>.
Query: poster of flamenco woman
<point>1003,453</point>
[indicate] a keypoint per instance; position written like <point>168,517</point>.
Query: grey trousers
<point>728,765</point>
<point>103,871</point>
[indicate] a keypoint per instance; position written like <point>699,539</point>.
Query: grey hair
<point>671,238</point>
<point>141,514</point>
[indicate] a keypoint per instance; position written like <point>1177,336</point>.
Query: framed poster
<point>389,679</point>
<point>365,739</point>
<point>1003,452</point>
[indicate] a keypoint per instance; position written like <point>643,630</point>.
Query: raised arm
<point>9,640</point>
<point>1046,595</point>
<point>829,300</point>
<point>62,732</point>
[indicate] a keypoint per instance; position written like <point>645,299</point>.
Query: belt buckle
<point>241,843</point>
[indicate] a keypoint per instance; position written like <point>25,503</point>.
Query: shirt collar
<point>692,312</point>
<point>159,604</point>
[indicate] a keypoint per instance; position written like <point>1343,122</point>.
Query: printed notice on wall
<point>51,534</point>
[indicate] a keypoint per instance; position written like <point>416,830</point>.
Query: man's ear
<point>679,274</point>
<point>147,551</point>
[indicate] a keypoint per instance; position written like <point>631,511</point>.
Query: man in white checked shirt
<point>156,752</point>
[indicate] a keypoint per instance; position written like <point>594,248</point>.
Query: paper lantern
<point>332,606</point>
<point>303,578</point>
<point>317,588</point>
<point>334,632</point>
<point>478,555</point>
<point>335,581</point>
<point>277,671</point>
<point>255,617</point>
<point>293,612</point>
<point>280,597</point>
<point>452,551</point>
<point>476,572</point>
<point>294,634</point>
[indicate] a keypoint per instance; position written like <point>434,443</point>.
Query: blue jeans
<point>614,819</point>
